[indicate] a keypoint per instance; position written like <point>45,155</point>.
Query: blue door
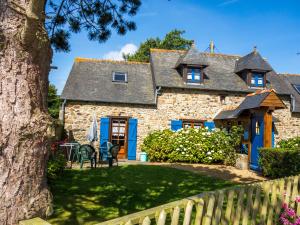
<point>257,140</point>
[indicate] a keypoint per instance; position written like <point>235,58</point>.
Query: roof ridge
<point>166,50</point>
<point>261,92</point>
<point>290,74</point>
<point>184,51</point>
<point>81,59</point>
<point>220,54</point>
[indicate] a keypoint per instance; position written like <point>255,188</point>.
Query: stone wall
<point>288,125</point>
<point>172,104</point>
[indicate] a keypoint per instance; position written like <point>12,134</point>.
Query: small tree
<point>173,40</point>
<point>53,102</point>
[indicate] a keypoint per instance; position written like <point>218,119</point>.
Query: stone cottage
<point>177,89</point>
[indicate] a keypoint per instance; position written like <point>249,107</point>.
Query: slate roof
<point>91,80</point>
<point>291,80</point>
<point>219,74</point>
<point>192,57</point>
<point>252,61</point>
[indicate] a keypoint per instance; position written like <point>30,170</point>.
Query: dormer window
<point>194,75</point>
<point>257,80</point>
<point>120,77</point>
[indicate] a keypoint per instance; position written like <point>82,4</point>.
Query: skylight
<point>297,87</point>
<point>120,77</point>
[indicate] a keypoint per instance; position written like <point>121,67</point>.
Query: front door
<point>119,135</point>
<point>257,133</point>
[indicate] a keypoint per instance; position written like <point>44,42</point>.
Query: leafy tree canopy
<point>173,40</point>
<point>53,101</point>
<point>97,17</point>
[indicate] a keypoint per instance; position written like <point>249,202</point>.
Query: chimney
<point>212,47</point>
<point>193,44</point>
<point>255,49</point>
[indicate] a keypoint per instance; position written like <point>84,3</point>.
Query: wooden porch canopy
<point>262,99</point>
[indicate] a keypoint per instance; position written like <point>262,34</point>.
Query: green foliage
<point>173,40</point>
<point>55,166</point>
<point>291,143</point>
<point>54,101</point>
<point>279,162</point>
<point>97,17</point>
<point>193,145</point>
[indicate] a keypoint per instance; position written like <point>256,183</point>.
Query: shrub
<point>291,143</point>
<point>193,145</point>
<point>56,165</point>
<point>279,162</point>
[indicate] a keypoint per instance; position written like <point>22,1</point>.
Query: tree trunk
<point>25,56</point>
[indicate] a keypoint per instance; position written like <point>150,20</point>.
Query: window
<point>192,124</point>
<point>257,128</point>
<point>297,87</point>
<point>223,99</point>
<point>194,75</point>
<point>257,80</point>
<point>120,77</point>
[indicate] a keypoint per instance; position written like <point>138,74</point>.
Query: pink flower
<point>291,212</point>
<point>284,206</point>
<point>298,199</point>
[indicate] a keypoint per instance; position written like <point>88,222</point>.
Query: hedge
<point>279,162</point>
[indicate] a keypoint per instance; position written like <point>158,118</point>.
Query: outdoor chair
<point>113,154</point>
<point>76,153</point>
<point>87,153</point>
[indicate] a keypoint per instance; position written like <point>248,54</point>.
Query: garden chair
<point>103,150</point>
<point>87,153</point>
<point>114,151</point>
<point>76,153</point>
<point>113,154</point>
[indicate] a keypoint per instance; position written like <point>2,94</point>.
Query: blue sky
<point>234,25</point>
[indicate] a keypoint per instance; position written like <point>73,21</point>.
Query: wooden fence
<point>258,203</point>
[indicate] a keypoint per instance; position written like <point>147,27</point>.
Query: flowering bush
<point>291,143</point>
<point>193,145</point>
<point>288,215</point>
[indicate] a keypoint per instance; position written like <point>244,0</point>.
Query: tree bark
<point>25,56</point>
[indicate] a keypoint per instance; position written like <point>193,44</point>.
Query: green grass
<point>96,195</point>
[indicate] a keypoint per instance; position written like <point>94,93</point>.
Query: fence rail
<point>258,203</point>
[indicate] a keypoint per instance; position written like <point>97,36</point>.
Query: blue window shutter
<point>210,125</point>
<point>104,135</point>
<point>176,125</point>
<point>132,139</point>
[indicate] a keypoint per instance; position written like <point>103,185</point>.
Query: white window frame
<point>119,81</point>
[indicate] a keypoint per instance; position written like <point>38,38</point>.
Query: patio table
<point>69,149</point>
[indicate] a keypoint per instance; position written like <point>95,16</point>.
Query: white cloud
<point>118,55</point>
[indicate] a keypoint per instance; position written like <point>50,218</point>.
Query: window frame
<point>192,122</point>
<point>256,76</point>
<point>193,74</point>
<point>119,73</point>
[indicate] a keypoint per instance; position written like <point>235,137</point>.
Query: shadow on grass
<point>96,195</point>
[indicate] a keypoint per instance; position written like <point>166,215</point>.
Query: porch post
<point>268,129</point>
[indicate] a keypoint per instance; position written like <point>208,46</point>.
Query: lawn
<point>96,195</point>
